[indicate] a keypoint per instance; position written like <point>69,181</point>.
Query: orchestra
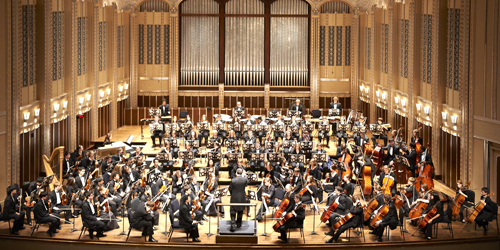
<point>357,179</point>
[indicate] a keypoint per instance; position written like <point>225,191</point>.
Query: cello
<point>378,157</point>
<point>288,216</point>
<point>347,161</point>
<point>366,172</point>
<point>425,220</point>
<point>477,209</point>
<point>382,212</point>
<point>370,208</point>
<point>459,201</point>
<point>326,214</point>
<point>425,174</point>
<point>419,207</point>
<point>388,183</point>
<point>281,209</point>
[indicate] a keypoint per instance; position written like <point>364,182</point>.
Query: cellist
<point>341,199</point>
<point>438,217</point>
<point>296,221</point>
<point>391,219</point>
<point>354,222</point>
<point>488,212</point>
<point>390,177</point>
<point>467,204</point>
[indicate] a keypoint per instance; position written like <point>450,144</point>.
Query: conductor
<point>237,190</point>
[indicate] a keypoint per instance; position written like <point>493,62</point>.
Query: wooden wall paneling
<point>135,116</point>
<point>128,116</point>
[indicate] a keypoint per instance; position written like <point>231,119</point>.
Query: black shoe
<point>22,228</point>
<point>151,239</point>
<point>205,218</point>
<point>329,241</point>
<point>91,235</point>
<point>371,232</point>
<point>248,214</point>
<point>100,235</point>
<point>196,240</point>
<point>222,216</point>
<point>15,232</point>
<point>329,233</point>
<point>56,231</point>
<point>233,226</point>
<point>51,234</point>
<point>279,237</point>
<point>378,240</point>
<point>284,241</point>
<point>405,231</point>
<point>238,225</point>
<point>59,227</point>
<point>68,222</point>
<point>201,223</point>
<point>485,230</point>
<point>29,224</point>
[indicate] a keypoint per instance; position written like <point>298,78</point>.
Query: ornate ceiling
<point>361,5</point>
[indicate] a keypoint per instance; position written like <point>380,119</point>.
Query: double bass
<point>459,201</point>
<point>425,174</point>
<point>477,209</point>
<point>347,162</point>
<point>366,173</point>
<point>288,216</point>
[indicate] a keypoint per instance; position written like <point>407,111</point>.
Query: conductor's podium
<point>245,234</point>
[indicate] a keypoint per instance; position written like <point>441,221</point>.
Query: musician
<point>77,155</point>
<point>239,107</point>
<point>248,121</point>
<point>342,206</point>
<point>116,187</point>
<point>361,139</point>
<point>73,196</point>
<point>360,123</point>
<point>89,163</point>
<point>269,140</point>
<point>35,186</point>
<point>260,133</point>
<point>143,219</point>
<point>347,185</point>
<point>258,163</point>
<point>341,155</point>
<point>412,158</point>
<point>395,135</point>
<point>284,171</point>
<point>416,137</point>
<point>408,190</point>
<point>209,203</point>
<point>312,189</point>
<point>213,167</point>
<point>275,150</point>
<point>297,106</point>
<point>221,134</point>
<point>195,152</point>
<point>169,164</point>
<point>438,217</point>
<point>164,108</point>
<point>295,222</point>
<point>377,135</point>
<point>391,219</point>
<point>336,104</point>
<point>390,175</point>
<point>341,133</point>
<point>239,165</point>
<point>188,127</point>
<point>489,211</point>
<point>109,217</point>
<point>233,162</point>
<point>10,211</point>
<point>461,189</point>
<point>332,179</point>
<point>185,219</point>
<point>175,148</point>
<point>214,139</point>
<point>250,138</point>
<point>305,122</point>
<point>296,180</point>
<point>232,136</point>
<point>157,133</point>
<point>119,156</point>
<point>294,123</point>
<point>177,181</point>
<point>237,190</point>
<point>324,134</point>
<point>360,163</point>
<point>188,190</point>
<point>80,180</point>
<point>204,132</point>
<point>296,151</point>
<point>279,134</point>
<point>323,166</point>
<point>424,196</point>
<point>42,215</point>
<point>107,139</point>
<point>267,191</point>
<point>66,166</point>
<point>154,172</point>
<point>55,197</point>
<point>237,128</point>
<point>354,222</point>
<point>130,176</point>
<point>106,168</point>
<point>392,151</point>
<point>176,126</point>
<point>89,216</point>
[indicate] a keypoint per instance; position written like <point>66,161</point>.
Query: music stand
<point>333,112</point>
<point>235,127</point>
<point>291,113</point>
<point>288,143</point>
<point>298,158</point>
<point>258,156</point>
<point>294,128</point>
<point>249,127</point>
<point>273,113</point>
<point>252,177</point>
<point>205,171</point>
<point>154,112</point>
<point>203,126</point>
<point>193,143</point>
<point>306,145</point>
<point>248,147</point>
<point>214,156</point>
<point>269,145</point>
<point>211,142</point>
<point>308,127</point>
<point>186,155</point>
<point>274,157</point>
<point>320,157</point>
<point>218,126</point>
<point>238,113</point>
<point>324,127</point>
<point>252,195</point>
<point>231,143</point>
<point>174,143</point>
<point>234,156</point>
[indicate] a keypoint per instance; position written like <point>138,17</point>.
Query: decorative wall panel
<point>347,46</point>
<point>166,44</point>
<point>100,46</point>
<point>427,49</point>
<point>331,45</point>
<point>149,43</point>
<point>157,44</point>
<point>339,46</point>
<point>322,38</point>
<point>141,44</point>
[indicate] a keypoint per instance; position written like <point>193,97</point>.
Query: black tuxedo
<point>89,218</point>
<point>391,220</point>
<point>337,105</point>
<point>296,107</point>
<point>186,222</point>
<point>294,222</point>
<point>142,220</point>
<point>390,157</point>
<point>9,212</point>
<point>40,210</point>
<point>237,190</point>
<point>412,159</point>
<point>54,203</point>
<point>164,110</point>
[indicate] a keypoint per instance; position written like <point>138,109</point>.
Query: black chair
<point>316,113</point>
<point>183,115</point>
<point>279,194</point>
<point>36,226</point>
<point>447,219</point>
<point>174,224</point>
<point>360,229</point>
<point>301,229</point>
<point>5,219</point>
<point>130,215</point>
<point>84,228</point>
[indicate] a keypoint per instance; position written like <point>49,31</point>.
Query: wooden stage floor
<point>311,223</point>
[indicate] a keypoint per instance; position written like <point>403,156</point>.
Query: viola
<point>459,200</point>
<point>370,208</point>
<point>87,187</point>
<point>288,216</point>
<point>419,207</point>
<point>281,209</point>
<point>29,203</point>
<point>49,206</point>
<point>64,199</point>
<point>477,209</point>
<point>144,181</point>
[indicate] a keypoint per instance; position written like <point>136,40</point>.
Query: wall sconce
<point>108,91</point>
<point>426,110</point>
<point>377,93</point>
<point>418,105</point>
<point>65,104</point>
<point>454,119</point>
<point>101,94</point>
<point>403,102</point>
<point>88,97</point>
<point>444,115</point>
<point>126,86</point>
<point>367,90</point>
<point>37,112</point>
<point>396,99</point>
<point>26,116</point>
<point>120,88</point>
<point>80,100</point>
<point>384,95</point>
<point>56,108</point>
<point>362,89</point>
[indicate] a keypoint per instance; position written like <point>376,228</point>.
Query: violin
<point>87,187</point>
<point>477,209</point>
<point>419,207</point>
<point>144,181</point>
<point>49,206</point>
<point>288,216</point>
<point>64,199</point>
<point>459,200</point>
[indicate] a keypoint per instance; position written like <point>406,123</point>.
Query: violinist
<point>175,148</point>
<point>81,180</point>
<point>213,167</point>
<point>296,181</point>
<point>209,200</point>
<point>10,211</point>
<point>109,217</point>
<point>154,172</point>
<point>276,149</point>
<point>341,155</point>
<point>119,157</point>
<point>89,216</point>
<point>237,133</point>
<point>461,189</point>
<point>221,134</point>
<point>269,139</point>
<point>89,163</point>
<point>136,153</point>
<point>310,194</point>
<point>56,199</point>
<point>295,222</point>
<point>489,211</point>
<point>143,219</point>
<point>250,138</point>
<point>324,134</point>
<point>347,185</point>
<point>129,176</point>
<point>267,194</point>
<point>107,168</point>
<point>314,169</point>
<point>169,164</point>
<point>284,171</point>
<point>416,138</point>
<point>116,188</point>
<point>279,134</point>
<point>36,185</point>
<point>391,177</point>
<point>342,206</point>
<point>354,222</point>
<point>185,219</point>
<point>187,132</point>
<point>391,219</point>
<point>77,155</point>
<point>379,135</point>
<point>296,151</point>
<point>203,134</point>
<point>425,158</point>
<point>257,164</point>
<point>263,122</point>
<point>194,200</point>
<point>163,182</point>
<point>268,172</point>
<point>42,215</point>
<point>324,166</point>
<point>392,151</point>
<point>177,181</point>
<point>73,195</point>
<point>412,158</point>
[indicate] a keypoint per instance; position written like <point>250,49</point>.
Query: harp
<point>59,151</point>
